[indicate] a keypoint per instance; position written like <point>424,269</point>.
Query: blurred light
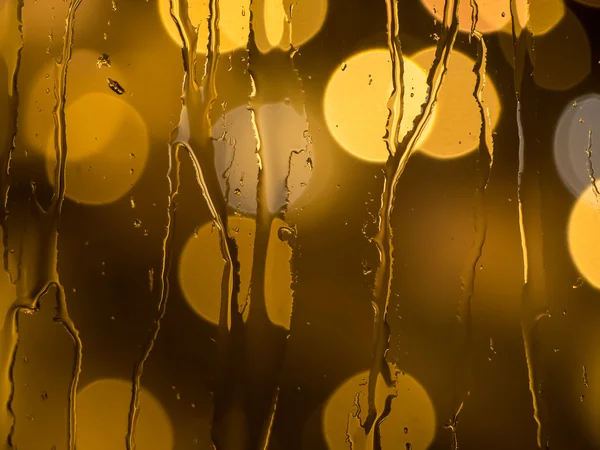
<point>233,23</point>
<point>107,149</point>
<point>456,123</point>
<point>411,419</point>
<point>283,131</point>
<point>84,77</point>
<point>356,98</point>
<point>563,55</point>
<point>583,237</point>
<point>572,139</point>
<point>493,15</point>
<point>102,417</point>
<point>201,267</point>
<point>305,18</point>
<point>278,277</point>
<point>540,15</point>
<point>274,21</point>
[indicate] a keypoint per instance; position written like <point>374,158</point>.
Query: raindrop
<point>137,223</point>
<point>115,86</point>
<point>103,61</point>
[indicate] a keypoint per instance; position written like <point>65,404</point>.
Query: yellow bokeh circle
<point>456,124</point>
<point>233,22</point>
<point>201,268</point>
<point>107,149</point>
<point>411,419</point>
<point>102,418</point>
<point>356,99</point>
<point>584,243</point>
<point>539,16</point>
<point>276,24</point>
<point>493,15</point>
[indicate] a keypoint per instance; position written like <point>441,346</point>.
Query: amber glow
<point>539,16</point>
<point>107,149</point>
<point>233,23</point>
<point>306,18</point>
<point>355,102</point>
<point>493,15</point>
<point>102,418</point>
<point>201,267</point>
<point>456,125</point>
<point>584,243</point>
<point>347,408</point>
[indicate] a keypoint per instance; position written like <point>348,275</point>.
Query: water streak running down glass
<point>299,224</point>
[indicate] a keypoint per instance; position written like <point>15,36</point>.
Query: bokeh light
<point>275,18</point>
<point>201,267</point>
<point>36,122</point>
<point>102,417</point>
<point>574,136</point>
<point>539,16</point>
<point>280,23</point>
<point>283,131</point>
<point>562,55</point>
<point>355,102</point>
<point>411,423</point>
<point>456,123</point>
<point>233,23</point>
<point>493,15</point>
<point>583,237</point>
<point>278,277</point>
<point>107,149</point>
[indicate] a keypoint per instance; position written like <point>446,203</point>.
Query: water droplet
<point>344,66</point>
<point>405,430</point>
<point>132,202</point>
<point>137,223</point>
<point>115,86</point>
<point>237,191</point>
<point>103,61</point>
<point>285,234</point>
<point>44,395</point>
<point>578,283</point>
<point>503,14</point>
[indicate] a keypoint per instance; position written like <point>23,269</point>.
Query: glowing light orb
<point>356,98</point>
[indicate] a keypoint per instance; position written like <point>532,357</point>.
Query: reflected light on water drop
<point>283,131</point>
<point>493,14</point>
<point>411,419</point>
<point>583,237</point>
<point>572,139</point>
<point>201,267</point>
<point>233,23</point>
<point>107,149</point>
<point>102,411</point>
<point>355,102</point>
<point>455,126</point>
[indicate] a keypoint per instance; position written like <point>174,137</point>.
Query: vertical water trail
<point>165,270</point>
<point>8,339</point>
<point>531,313</point>
<point>55,211</point>
<point>206,178</point>
<point>395,167</point>
<point>590,167</point>
<point>464,368</point>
